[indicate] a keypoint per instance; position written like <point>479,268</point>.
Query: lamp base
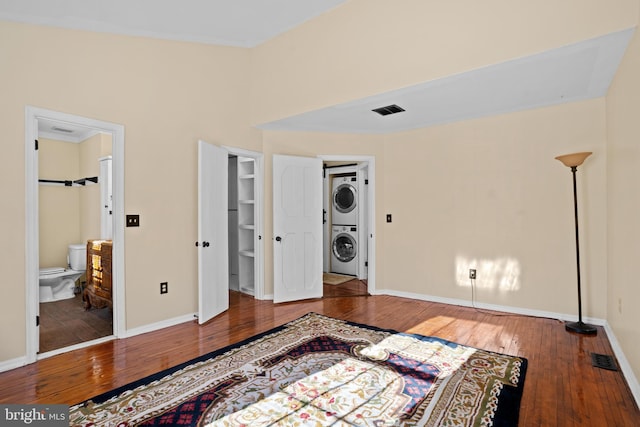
<point>581,328</point>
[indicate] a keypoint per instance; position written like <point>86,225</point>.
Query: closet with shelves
<point>242,229</point>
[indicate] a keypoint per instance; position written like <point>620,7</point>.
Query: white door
<point>213,250</point>
<point>363,229</point>
<point>106,198</point>
<point>297,228</point>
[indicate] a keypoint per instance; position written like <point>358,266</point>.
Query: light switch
<point>133,220</point>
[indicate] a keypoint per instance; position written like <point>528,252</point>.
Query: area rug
<point>317,370</point>
<point>335,279</point>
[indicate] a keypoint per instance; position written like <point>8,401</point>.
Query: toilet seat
<point>51,270</point>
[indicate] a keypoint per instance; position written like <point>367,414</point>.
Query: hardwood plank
<point>561,388</point>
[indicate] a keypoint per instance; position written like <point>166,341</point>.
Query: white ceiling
<point>63,131</point>
<point>243,23</point>
<point>580,71</point>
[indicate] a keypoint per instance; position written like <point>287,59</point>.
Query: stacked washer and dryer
<point>344,225</point>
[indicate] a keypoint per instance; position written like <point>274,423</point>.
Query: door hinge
<point>37,320</point>
<point>36,144</point>
<point>366,181</point>
<point>366,263</point>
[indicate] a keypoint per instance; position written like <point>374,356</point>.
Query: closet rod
<point>68,183</point>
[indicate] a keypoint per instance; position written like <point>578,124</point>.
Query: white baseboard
<point>159,325</point>
<point>10,364</point>
<point>627,372</point>
<point>495,307</point>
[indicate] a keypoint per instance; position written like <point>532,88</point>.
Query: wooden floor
<point>561,386</point>
<point>352,288</point>
<point>66,322</point>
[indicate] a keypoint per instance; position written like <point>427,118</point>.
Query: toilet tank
<point>78,257</point>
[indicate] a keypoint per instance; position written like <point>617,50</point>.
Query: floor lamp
<point>573,161</point>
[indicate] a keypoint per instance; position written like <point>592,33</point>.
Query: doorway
<point>346,235</point>
<point>244,207</point>
<point>76,199</point>
<point>213,244</point>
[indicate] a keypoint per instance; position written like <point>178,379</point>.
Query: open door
<point>297,227</point>
<point>212,244</point>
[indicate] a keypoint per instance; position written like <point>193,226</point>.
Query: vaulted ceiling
<point>576,72</point>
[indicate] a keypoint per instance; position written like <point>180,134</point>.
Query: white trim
<point>258,289</point>
<point>74,347</point>
<point>60,137</point>
<point>161,325</point>
<point>32,114</point>
<point>625,367</point>
<point>10,364</point>
<point>32,256</point>
<point>494,307</point>
<point>371,246</point>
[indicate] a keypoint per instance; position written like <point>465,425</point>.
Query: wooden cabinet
<point>97,293</point>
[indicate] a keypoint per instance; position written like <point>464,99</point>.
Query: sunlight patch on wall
<point>501,274</point>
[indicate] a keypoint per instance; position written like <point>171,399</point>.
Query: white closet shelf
<point>246,202</point>
<point>247,226</point>
<point>246,253</point>
<point>248,176</point>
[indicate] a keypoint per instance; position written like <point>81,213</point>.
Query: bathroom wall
<point>59,206</point>
<point>69,215</point>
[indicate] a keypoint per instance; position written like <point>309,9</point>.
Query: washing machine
<point>344,250</point>
<point>344,200</point>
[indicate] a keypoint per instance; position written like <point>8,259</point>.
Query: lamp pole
<point>573,161</point>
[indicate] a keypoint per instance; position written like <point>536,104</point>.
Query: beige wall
<point>623,189</point>
<point>167,95</point>
<point>488,194</point>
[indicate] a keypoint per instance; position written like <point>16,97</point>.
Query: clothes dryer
<point>344,250</point>
<point>344,200</point>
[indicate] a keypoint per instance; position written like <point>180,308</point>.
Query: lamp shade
<point>575,159</point>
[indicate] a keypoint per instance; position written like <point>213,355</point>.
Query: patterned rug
<point>321,371</point>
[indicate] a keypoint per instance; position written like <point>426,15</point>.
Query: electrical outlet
<point>472,273</point>
<point>164,287</point>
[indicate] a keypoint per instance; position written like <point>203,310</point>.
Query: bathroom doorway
<point>74,196</point>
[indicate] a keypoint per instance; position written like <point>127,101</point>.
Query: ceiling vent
<point>59,129</point>
<point>389,109</point>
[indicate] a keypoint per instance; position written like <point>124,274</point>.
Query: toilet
<point>58,283</point>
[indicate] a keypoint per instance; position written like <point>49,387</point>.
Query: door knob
<point>278,238</point>
<point>205,244</point>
